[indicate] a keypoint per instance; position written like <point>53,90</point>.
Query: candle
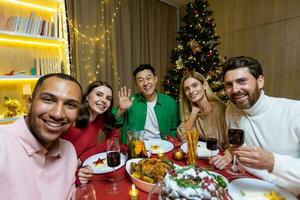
<point>133,193</point>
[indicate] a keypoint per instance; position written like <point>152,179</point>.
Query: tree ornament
<point>191,58</point>
<point>180,47</point>
<point>178,154</point>
<point>186,71</point>
<point>196,11</point>
<point>208,77</point>
<point>179,63</point>
<point>194,45</point>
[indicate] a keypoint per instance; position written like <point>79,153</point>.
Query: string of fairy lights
<point>102,41</point>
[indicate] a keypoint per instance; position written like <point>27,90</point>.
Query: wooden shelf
<point>4,33</point>
<point>27,39</point>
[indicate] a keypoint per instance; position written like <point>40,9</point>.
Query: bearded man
<point>271,125</point>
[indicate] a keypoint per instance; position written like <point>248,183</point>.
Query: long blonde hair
<point>185,104</point>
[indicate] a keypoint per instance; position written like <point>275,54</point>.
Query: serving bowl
<point>147,187</point>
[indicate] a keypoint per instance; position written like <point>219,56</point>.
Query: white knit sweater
<point>274,125</point>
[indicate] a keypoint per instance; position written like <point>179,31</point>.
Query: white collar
<point>260,106</point>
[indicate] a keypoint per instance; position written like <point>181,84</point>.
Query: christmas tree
<point>196,50</point>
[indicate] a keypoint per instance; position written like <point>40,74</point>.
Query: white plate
<point>202,151</point>
<point>157,145</point>
<point>102,168</point>
<point>254,189</point>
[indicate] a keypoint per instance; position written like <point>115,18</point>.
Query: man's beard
<point>251,99</point>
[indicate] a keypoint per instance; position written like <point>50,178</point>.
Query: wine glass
<point>212,144</point>
<point>85,192</point>
<point>236,139</point>
<point>113,160</point>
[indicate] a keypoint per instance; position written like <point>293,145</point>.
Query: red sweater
<point>85,139</point>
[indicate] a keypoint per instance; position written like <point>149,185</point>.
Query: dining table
<point>102,182</point>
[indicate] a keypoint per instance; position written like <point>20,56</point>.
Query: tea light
<point>133,193</point>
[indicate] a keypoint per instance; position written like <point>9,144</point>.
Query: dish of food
<point>146,172</point>
<point>253,189</point>
<point>202,151</point>
<point>98,163</point>
<point>158,146</point>
<point>193,183</point>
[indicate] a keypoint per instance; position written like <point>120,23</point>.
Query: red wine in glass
<point>113,159</point>
<point>212,144</point>
<point>236,138</point>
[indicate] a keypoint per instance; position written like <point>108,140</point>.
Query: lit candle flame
<point>133,187</point>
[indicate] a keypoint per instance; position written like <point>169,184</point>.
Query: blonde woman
<point>200,108</point>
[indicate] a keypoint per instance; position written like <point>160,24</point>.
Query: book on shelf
<point>30,22</point>
<point>38,29</point>
<point>36,25</point>
<point>12,23</point>
<point>37,66</point>
<point>47,65</point>
<point>45,28</point>
<point>22,25</point>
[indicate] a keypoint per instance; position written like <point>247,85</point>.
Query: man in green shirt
<point>149,111</point>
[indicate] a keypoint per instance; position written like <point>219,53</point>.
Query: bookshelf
<point>33,42</point>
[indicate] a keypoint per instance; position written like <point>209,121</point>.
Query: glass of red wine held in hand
<point>236,139</point>
<point>113,160</point>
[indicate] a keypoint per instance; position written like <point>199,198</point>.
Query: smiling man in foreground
<point>34,162</point>
<point>271,125</point>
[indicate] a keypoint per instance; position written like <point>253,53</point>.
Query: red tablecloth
<point>125,183</point>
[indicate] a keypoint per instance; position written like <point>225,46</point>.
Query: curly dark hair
<point>84,114</point>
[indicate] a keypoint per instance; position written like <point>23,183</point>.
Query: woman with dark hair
<point>95,115</point>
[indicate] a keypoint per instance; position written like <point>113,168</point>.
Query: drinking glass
<point>236,139</point>
<point>85,192</point>
<point>113,160</point>
<point>212,144</point>
<point>211,139</point>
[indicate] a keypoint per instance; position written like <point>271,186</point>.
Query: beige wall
<point>268,30</point>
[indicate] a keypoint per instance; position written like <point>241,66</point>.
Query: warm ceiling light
<point>32,5</point>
